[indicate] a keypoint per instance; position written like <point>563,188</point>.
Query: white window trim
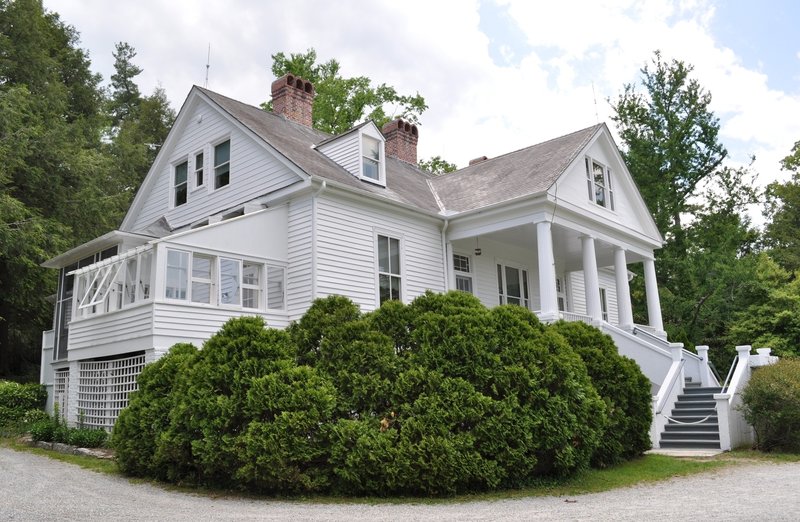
<point>381,160</point>
<point>213,181</point>
<point>205,183</point>
<point>174,186</point>
<point>467,275</point>
<point>608,185</point>
<point>520,267</point>
<point>216,284</point>
<point>401,245</point>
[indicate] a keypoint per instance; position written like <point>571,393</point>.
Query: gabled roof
<point>525,172</point>
<point>406,183</point>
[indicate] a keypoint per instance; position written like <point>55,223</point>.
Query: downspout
<point>445,256</point>
<point>314,238</point>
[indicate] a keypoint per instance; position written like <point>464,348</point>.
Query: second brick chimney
<point>293,98</point>
<point>401,140</point>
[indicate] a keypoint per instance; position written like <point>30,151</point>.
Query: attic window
<point>598,179</point>
<point>371,158</point>
<point>181,171</point>
<point>222,164</point>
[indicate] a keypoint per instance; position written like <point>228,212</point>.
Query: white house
<point>248,212</point>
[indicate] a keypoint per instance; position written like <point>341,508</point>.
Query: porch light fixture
<point>477,247</point>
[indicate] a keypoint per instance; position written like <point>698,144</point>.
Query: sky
<point>497,75</point>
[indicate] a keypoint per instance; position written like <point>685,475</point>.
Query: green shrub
<point>139,426</point>
<point>437,397</point>
<point>771,403</point>
<point>87,437</point>
<point>17,399</point>
<point>623,387</point>
<point>43,430</point>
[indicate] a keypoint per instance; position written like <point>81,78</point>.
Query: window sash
<point>177,286</point>
<point>198,170</point>
<point>202,271</point>
<point>276,283</point>
<point>181,173</point>
<point>222,159</point>
<point>371,158</point>
<point>512,284</point>
<point>230,277</point>
<point>251,285</point>
<point>389,277</point>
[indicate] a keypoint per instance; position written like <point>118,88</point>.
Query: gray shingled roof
<point>405,183</point>
<point>524,172</point>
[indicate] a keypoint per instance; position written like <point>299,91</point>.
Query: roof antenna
<point>208,65</point>
<point>594,96</point>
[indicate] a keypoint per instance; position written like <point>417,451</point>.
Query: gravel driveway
<point>38,488</point>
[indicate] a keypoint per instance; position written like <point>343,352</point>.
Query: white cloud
<point>579,52</point>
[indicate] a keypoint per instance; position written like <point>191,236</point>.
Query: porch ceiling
<point>567,247</point>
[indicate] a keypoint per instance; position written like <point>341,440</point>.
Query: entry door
<point>512,284</point>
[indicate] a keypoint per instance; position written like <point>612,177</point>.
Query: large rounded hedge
<point>437,397</point>
<point>623,387</point>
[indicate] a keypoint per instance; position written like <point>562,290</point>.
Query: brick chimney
<point>401,140</point>
<point>293,98</point>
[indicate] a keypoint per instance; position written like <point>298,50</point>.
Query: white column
<point>624,306</point>
<point>653,301</point>
<point>591,281</point>
<point>450,275</point>
<point>547,272</point>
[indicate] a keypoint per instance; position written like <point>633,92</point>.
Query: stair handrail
<point>730,374</point>
<point>714,370</point>
<point>664,397</point>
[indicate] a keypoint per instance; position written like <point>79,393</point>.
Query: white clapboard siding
<point>111,334</point>
<point>345,152</point>
<point>253,172</point>
<point>485,268</point>
<point>299,251</point>
<point>578,293</point>
<point>185,322</point>
<point>346,250</point>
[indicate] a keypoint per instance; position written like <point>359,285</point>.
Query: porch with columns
<point>556,253</point>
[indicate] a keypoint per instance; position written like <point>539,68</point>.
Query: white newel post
<point>547,272</point>
<point>705,371</point>
<point>653,301</point>
<point>623,290</point>
<point>591,280</point>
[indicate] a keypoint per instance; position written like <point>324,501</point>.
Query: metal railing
<point>730,374</point>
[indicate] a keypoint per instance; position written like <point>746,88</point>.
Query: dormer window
<point>181,172</point>
<point>371,158</point>
<point>598,179</point>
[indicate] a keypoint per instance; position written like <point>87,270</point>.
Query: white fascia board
<point>90,247</point>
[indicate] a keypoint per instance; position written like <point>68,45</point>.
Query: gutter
<point>445,265</point>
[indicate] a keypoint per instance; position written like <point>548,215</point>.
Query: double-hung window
<point>222,164</point>
<point>389,278</point>
<point>181,173</point>
<point>598,179</point>
<point>463,271</point>
<point>202,267</point>
<point>371,158</point>
<point>251,285</point>
<point>177,274</point>
<point>199,179</point>
<point>512,285</point>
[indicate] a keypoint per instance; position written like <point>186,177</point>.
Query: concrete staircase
<point>693,422</point>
